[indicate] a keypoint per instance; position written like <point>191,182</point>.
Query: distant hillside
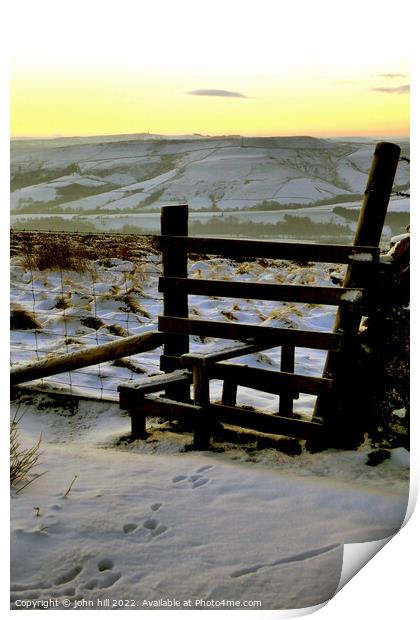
<point>136,174</point>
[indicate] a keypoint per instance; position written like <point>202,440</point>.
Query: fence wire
<point>57,310</point>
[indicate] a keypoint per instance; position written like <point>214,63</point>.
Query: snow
<point>237,173</point>
<point>362,257</point>
<point>77,179</point>
<point>306,191</point>
<point>37,193</point>
<point>400,205</point>
<point>124,294</point>
<point>149,521</point>
<point>351,296</point>
<point>354,178</point>
<point>152,183</point>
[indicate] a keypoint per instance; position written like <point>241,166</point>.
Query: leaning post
<point>344,427</point>
<point>174,222</point>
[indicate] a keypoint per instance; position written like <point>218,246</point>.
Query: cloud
<point>211,92</point>
<point>398,90</point>
<point>392,75</point>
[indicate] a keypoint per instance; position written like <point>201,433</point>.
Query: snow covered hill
<point>135,175</point>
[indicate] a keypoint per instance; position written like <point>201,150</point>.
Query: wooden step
<point>153,384</point>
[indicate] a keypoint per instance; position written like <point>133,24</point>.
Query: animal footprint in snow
<point>68,576</point>
<point>204,468</point>
<point>155,507</point>
<point>105,564</point>
<point>196,480</point>
<point>150,529</point>
<point>129,527</point>
<point>106,577</point>
<point>179,479</point>
<point>155,528</point>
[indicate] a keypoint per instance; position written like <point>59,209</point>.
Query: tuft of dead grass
<point>22,319</point>
<point>58,253</point>
<point>92,322</point>
<point>116,330</point>
<point>22,460</point>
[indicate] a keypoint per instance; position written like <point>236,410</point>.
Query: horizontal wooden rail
<point>241,248</point>
<point>86,357</point>
<point>243,331</point>
<point>159,407</point>
<point>156,406</point>
<point>328,295</point>
<point>274,382</point>
<point>236,350</point>
<point>265,422</point>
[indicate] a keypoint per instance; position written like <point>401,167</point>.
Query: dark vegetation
<point>22,319</point>
<point>22,177</point>
<point>292,226</point>
<point>75,191</point>
<point>60,253</point>
<point>396,220</point>
<point>274,205</point>
<point>74,250</point>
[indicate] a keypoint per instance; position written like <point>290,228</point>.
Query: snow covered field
<point>115,298</point>
<point>144,524</point>
<point>147,524</point>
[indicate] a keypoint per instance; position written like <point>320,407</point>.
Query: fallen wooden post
<point>86,357</point>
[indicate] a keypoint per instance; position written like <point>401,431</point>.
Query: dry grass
<point>89,246</point>
<point>22,461</point>
<point>58,254</point>
<point>22,319</point>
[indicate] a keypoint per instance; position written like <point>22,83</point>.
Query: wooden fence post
<point>343,414</point>
<point>174,221</point>
<point>201,398</point>
<point>287,364</point>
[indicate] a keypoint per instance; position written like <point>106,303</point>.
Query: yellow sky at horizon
<point>320,99</point>
<point>45,105</point>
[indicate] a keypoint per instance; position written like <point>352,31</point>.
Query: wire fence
<point>70,291</point>
<point>107,291</point>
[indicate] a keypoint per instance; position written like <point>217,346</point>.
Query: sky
<point>215,68</point>
<point>317,100</point>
